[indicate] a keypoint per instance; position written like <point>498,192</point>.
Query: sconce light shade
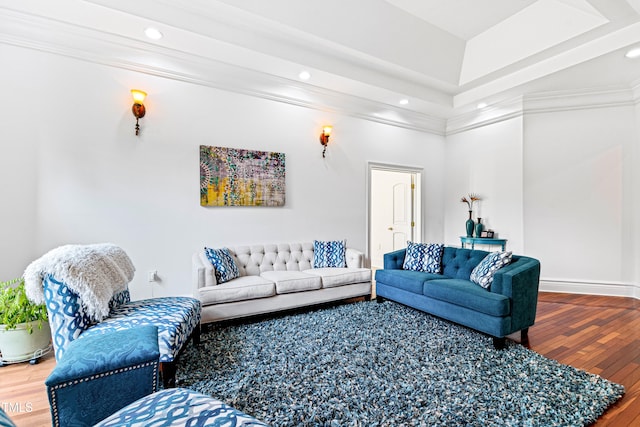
<point>324,137</point>
<point>138,96</point>
<point>138,107</point>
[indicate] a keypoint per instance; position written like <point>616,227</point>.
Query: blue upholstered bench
<point>111,379</point>
<point>101,374</point>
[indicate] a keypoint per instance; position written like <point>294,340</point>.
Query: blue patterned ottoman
<point>179,407</point>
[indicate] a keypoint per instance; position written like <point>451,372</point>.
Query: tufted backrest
<point>253,260</point>
<point>458,263</point>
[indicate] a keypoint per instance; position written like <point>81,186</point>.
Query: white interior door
<point>391,212</point>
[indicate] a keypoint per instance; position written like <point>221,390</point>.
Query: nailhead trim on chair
<point>54,406</point>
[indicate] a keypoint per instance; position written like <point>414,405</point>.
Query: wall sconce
<point>138,106</point>
<point>324,138</point>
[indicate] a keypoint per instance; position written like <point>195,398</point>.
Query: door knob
<point>390,228</point>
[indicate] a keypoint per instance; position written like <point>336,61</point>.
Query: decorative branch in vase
<point>469,201</point>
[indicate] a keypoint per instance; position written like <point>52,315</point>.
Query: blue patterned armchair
<point>85,289</point>
<point>177,318</point>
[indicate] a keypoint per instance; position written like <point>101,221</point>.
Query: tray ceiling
<point>442,56</point>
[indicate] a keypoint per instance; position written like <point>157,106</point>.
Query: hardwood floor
<point>598,334</point>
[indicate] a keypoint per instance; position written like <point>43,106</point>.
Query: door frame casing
<point>417,202</point>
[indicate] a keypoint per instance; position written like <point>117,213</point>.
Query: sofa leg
<point>524,337</point>
<point>379,299</point>
<point>168,374</point>
<point>195,335</point>
<point>499,343</point>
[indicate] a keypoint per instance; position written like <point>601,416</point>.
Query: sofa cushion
<point>467,294</point>
<point>457,263</point>
<point>223,263</point>
<point>407,280</point>
<point>333,277</point>
<point>329,253</point>
<point>292,281</point>
<point>483,273</point>
<point>240,289</point>
<point>425,257</point>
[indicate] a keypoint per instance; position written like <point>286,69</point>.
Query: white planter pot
<point>19,345</point>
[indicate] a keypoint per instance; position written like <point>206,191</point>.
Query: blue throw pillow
<point>223,264</point>
<point>483,273</point>
<point>330,253</point>
<point>425,257</point>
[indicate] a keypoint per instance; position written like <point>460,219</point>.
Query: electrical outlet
<point>152,275</point>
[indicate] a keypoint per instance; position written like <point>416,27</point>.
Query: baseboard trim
<point>613,289</point>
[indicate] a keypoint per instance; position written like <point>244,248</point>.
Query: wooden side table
<point>482,241</point>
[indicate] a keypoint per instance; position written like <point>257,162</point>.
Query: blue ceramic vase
<point>479,227</point>
<point>469,224</point>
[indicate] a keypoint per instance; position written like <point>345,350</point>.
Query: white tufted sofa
<point>276,277</point>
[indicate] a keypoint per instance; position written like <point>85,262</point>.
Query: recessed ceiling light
<point>404,101</point>
<point>633,53</point>
<point>481,105</point>
<point>305,75</point>
<point>153,33</point>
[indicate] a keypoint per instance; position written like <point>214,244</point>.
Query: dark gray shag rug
<point>370,364</point>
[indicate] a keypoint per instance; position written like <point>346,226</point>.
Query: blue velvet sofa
<point>508,306</point>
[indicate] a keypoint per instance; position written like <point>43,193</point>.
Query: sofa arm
<point>202,272</point>
<point>394,260</point>
<point>519,281</point>
<point>101,374</point>
<point>355,258</point>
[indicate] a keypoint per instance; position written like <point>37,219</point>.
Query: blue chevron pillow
<point>330,253</point>
<point>483,273</point>
<point>223,264</point>
<point>425,257</point>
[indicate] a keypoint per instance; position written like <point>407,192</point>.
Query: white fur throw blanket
<point>94,272</point>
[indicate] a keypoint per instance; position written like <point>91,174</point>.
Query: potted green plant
<point>24,327</point>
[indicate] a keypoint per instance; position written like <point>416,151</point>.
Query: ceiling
<point>442,56</point>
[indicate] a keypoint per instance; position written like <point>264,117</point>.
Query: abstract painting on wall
<point>238,177</point>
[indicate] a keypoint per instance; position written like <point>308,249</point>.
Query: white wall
<point>559,185</point>
<point>581,198</point>
<point>76,173</point>
<point>486,161</point>
<point>18,170</point>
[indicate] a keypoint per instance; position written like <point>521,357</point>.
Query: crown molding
<point>549,102</point>
<point>545,102</point>
<point>495,113</point>
<point>33,32</point>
